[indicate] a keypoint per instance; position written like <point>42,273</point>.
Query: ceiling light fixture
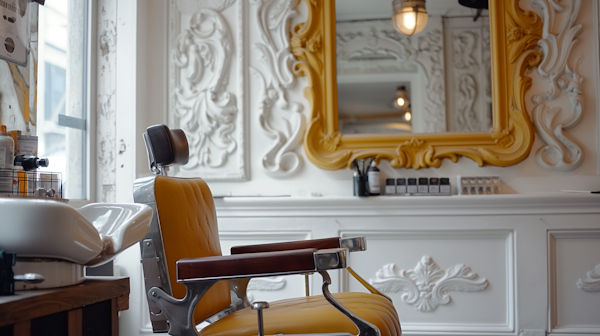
<point>410,16</point>
<point>407,116</point>
<point>401,101</point>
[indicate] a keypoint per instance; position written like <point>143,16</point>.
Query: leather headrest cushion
<point>167,146</point>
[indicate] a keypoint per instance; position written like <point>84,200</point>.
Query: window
<point>62,92</point>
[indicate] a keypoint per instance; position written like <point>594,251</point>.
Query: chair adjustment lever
<point>259,306</point>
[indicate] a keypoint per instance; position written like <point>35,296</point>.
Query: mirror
<point>442,75</point>
<point>513,36</point>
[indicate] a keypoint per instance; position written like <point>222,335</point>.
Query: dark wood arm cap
<point>246,265</point>
<point>352,244</point>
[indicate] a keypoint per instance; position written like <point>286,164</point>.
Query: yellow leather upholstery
<point>189,230</point>
<point>311,314</point>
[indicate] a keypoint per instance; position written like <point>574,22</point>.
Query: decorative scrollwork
<point>561,151</point>
<point>426,286</point>
<point>207,112</point>
<point>592,282</point>
<point>280,119</point>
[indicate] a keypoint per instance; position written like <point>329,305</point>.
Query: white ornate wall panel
<point>561,69</point>
<point>574,293</point>
<point>207,75</point>
<point>442,280</point>
<point>280,118</point>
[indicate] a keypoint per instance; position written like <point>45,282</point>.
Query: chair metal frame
<point>175,316</point>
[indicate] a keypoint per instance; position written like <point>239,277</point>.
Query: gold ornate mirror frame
<point>514,37</point>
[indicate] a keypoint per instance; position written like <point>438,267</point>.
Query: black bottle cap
<point>434,181</point>
<point>412,181</point>
<point>44,162</point>
<point>423,181</point>
<point>401,181</point>
<point>390,182</point>
<point>444,181</point>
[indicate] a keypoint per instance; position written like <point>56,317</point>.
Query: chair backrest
<point>184,226</point>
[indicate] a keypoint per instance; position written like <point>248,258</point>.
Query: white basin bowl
<point>91,235</point>
<point>119,226</point>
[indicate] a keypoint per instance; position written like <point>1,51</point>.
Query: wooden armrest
<point>354,244</point>
<point>260,264</point>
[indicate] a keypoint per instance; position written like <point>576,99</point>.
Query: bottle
<point>373,179</point>
<point>30,162</point>
<point>7,156</point>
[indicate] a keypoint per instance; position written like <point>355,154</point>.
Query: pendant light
<point>410,16</point>
<point>401,100</point>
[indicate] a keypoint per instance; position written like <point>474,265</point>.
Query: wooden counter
<point>90,308</point>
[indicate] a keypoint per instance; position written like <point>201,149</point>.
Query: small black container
<point>360,186</point>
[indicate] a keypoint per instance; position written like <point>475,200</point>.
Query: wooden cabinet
<point>90,309</point>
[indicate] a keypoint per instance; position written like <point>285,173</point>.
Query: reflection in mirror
<point>445,70</point>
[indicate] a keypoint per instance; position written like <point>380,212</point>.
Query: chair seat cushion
<point>311,314</point>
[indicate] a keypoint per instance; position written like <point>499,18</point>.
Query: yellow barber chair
<point>188,281</point>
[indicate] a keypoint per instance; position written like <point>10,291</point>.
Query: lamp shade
<point>410,16</point>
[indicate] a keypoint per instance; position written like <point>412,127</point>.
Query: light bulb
<point>410,20</point>
<point>410,16</point>
<point>401,102</point>
<point>408,116</point>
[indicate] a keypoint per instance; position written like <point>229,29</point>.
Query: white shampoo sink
<point>51,231</point>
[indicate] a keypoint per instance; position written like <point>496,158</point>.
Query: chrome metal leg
<point>259,306</point>
<point>364,328</point>
<point>180,313</point>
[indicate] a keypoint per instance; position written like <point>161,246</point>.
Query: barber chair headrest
<point>165,148</point>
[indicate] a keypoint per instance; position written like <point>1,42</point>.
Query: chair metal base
<point>180,313</point>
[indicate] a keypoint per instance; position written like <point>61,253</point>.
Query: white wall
<point>525,177</point>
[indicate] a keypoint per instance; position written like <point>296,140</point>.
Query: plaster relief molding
<point>193,6</point>
<point>465,63</point>
<point>106,122</point>
<point>360,40</point>
<point>426,286</point>
<point>270,284</point>
<point>200,100</point>
<point>471,77</point>
<point>592,282</point>
<point>561,152</point>
<point>280,119</point>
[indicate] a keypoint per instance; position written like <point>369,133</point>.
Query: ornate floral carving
<point>207,112</point>
<point>280,119</point>
<point>561,151</point>
<point>592,282</point>
<point>314,44</point>
<point>363,40</point>
<point>331,141</point>
<point>427,286</point>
